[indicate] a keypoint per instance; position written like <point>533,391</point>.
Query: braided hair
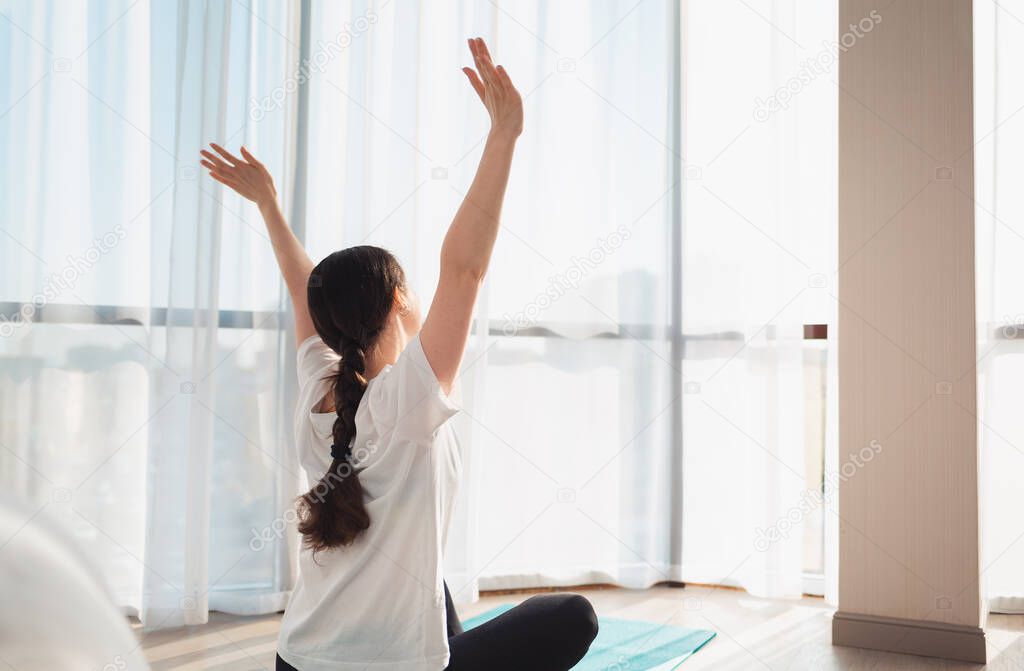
<point>350,295</point>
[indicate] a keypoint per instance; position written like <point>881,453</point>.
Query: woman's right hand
<point>499,96</point>
<point>246,175</point>
<point>251,179</point>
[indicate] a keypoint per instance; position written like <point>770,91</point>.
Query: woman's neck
<point>388,347</point>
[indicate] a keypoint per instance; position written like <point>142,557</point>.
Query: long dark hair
<point>350,294</point>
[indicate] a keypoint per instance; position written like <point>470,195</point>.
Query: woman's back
<point>377,603</point>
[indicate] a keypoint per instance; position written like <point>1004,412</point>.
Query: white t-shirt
<point>378,603</point>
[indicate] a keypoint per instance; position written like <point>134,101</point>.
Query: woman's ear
<point>401,302</point>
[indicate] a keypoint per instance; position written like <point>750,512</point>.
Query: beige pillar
<point>909,528</point>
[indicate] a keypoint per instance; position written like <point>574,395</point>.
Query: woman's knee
<point>576,612</point>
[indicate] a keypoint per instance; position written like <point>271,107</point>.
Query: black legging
<point>550,632</point>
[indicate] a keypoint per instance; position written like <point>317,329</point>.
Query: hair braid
<point>349,386</point>
<point>350,294</point>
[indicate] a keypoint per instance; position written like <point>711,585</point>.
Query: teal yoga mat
<point>627,644</point>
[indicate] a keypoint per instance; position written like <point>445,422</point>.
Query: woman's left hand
<point>499,96</point>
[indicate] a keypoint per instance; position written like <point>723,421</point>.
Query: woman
<point>372,431</point>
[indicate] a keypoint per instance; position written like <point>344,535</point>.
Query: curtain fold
<point>179,485</point>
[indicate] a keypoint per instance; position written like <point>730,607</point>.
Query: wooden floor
<point>752,633</point>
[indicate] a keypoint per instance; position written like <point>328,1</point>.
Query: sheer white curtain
<point>758,261</point>
<point>565,432</point>
<point>73,397</point>
<point>220,469</point>
<point>143,368</point>
<point>570,395</point>
<point>999,172</point>
<point>634,395</point>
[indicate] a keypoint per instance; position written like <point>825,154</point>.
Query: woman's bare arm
<point>467,247</point>
<point>251,179</point>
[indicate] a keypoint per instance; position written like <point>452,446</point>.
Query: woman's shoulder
<point>408,394</point>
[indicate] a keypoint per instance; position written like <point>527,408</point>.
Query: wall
<point>908,550</point>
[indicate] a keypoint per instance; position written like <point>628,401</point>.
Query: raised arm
<point>467,246</point>
<point>251,179</point>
